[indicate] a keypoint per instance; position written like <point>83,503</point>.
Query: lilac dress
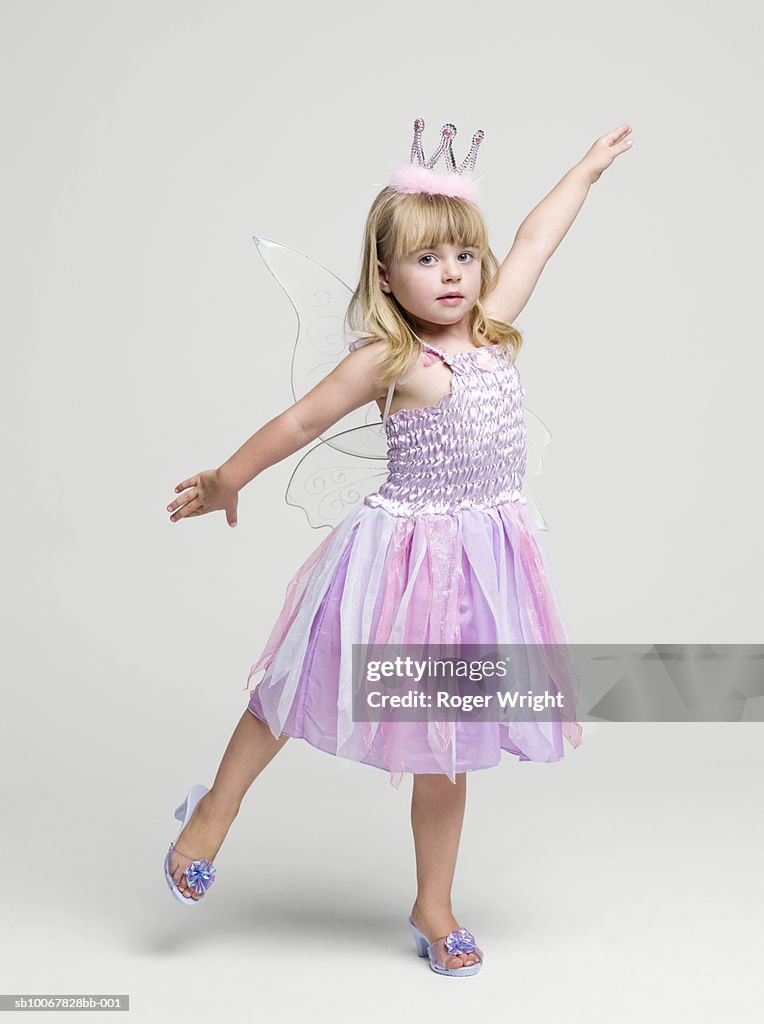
<point>444,552</point>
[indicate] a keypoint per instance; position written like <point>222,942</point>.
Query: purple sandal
<point>200,874</point>
<point>457,941</point>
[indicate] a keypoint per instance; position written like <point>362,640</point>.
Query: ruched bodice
<point>469,451</point>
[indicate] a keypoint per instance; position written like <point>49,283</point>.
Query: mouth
<point>451,295</point>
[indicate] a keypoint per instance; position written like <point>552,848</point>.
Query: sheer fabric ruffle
<point>470,576</point>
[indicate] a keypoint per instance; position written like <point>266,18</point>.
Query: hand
<point>206,492</point>
<point>604,151</point>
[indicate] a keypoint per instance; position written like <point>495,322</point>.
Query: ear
<point>384,284</point>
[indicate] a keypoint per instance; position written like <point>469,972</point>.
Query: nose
<point>452,273</point>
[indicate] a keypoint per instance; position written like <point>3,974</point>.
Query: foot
<point>437,923</point>
<point>202,837</point>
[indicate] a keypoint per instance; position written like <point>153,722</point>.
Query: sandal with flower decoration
<point>457,941</point>
<point>200,874</point>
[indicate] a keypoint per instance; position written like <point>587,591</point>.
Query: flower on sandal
<point>460,941</point>
<point>200,874</point>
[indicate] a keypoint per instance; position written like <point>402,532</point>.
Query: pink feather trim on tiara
<point>412,178</point>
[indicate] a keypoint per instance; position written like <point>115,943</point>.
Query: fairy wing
<point>337,473</point>
<point>320,300</point>
<point>350,459</point>
<point>537,438</point>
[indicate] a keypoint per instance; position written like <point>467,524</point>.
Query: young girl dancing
<point>444,552</point>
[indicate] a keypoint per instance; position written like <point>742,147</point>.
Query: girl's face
<point>421,280</point>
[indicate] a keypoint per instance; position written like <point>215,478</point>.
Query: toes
<point>179,877</point>
<point>462,960</point>
<point>189,894</point>
<point>185,890</point>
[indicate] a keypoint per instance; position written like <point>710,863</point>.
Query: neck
<point>444,334</point>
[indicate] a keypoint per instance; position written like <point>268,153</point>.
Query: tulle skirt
<point>474,576</point>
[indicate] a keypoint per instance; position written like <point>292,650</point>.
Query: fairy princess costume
<point>444,551</point>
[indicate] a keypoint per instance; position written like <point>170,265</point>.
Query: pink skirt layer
<point>475,576</point>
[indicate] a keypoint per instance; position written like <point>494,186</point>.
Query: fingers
<point>192,482</point>
<point>620,147</point>
<point>181,501</point>
<point>191,508</point>
<point>617,134</point>
<point>188,504</point>
<point>202,494</point>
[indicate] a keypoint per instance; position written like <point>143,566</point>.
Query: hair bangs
<point>426,221</point>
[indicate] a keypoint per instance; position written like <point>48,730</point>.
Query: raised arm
<point>546,225</point>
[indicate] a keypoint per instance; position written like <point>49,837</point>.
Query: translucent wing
<point>350,459</point>
<point>320,300</point>
<point>337,473</point>
<point>538,437</point>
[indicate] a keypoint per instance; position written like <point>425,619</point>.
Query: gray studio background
<point>144,340</point>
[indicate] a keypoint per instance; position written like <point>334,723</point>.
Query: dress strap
<point>387,403</point>
<point>428,348</point>
<point>365,341</point>
<point>444,356</point>
<point>427,345</point>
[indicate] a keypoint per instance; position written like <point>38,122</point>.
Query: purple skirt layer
<point>475,576</point>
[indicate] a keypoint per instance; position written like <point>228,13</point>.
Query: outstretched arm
<point>547,224</point>
<point>351,384</point>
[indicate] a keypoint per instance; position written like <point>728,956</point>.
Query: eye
<point>426,258</point>
<point>471,255</point>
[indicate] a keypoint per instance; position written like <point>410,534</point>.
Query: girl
<point>443,553</point>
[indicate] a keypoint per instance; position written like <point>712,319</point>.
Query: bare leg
<point>437,813</point>
<point>251,747</point>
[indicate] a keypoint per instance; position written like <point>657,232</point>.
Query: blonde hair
<point>402,223</point>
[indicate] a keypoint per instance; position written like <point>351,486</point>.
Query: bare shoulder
<point>373,350</point>
<point>367,356</point>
